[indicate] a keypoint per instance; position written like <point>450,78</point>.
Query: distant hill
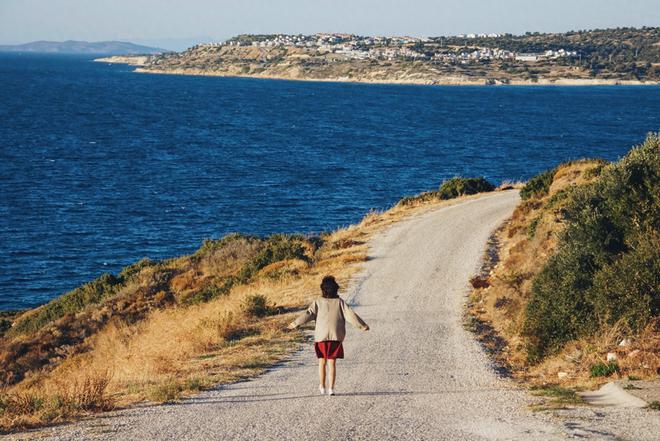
<point>82,47</point>
<point>590,57</point>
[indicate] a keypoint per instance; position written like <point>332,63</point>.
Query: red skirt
<point>329,350</point>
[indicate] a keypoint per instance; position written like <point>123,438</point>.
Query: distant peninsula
<point>629,56</point>
<point>83,47</point>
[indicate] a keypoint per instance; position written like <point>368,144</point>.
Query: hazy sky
<point>173,23</point>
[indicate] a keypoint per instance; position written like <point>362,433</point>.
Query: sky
<point>176,24</point>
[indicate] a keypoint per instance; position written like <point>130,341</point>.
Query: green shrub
<point>450,189</point>
<point>603,370</point>
<point>594,171</point>
<point>211,292</point>
<point>558,199</point>
<point>276,248</point>
<point>539,185</point>
<point>129,272</point>
<point>605,270</point>
<point>69,303</point>
<point>654,405</point>
<point>211,245</point>
<point>5,324</point>
<point>422,197</point>
<point>458,186</point>
<point>256,305</point>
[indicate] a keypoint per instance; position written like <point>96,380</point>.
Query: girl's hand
<point>366,328</point>
<point>291,325</point>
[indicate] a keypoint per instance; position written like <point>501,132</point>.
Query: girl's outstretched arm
<point>352,317</point>
<point>308,315</point>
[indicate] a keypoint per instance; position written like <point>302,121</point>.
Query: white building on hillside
<point>527,57</point>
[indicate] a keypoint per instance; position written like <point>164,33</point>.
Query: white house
<point>527,57</point>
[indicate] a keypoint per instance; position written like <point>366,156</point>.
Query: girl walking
<point>331,314</point>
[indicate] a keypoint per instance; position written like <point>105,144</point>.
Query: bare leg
<point>331,368</point>
<point>322,372</point>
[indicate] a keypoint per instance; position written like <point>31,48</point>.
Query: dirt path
<point>417,375</point>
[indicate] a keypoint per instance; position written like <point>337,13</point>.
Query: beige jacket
<point>331,316</point>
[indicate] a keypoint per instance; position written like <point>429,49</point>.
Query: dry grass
<point>498,301</point>
<point>175,348</point>
<point>58,401</point>
<point>640,358</point>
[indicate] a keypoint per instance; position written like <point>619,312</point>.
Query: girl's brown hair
<point>329,287</point>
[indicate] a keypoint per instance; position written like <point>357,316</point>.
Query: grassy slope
<point>160,330</point>
<point>578,272</point>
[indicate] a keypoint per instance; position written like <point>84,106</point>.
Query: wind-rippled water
<point>100,166</point>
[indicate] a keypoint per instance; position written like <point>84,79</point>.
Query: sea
<point>101,166</point>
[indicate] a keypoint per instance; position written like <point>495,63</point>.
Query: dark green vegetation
<point>6,318</point>
<point>555,397</point>
<point>654,405</point>
<point>603,369</point>
<point>5,324</point>
<point>565,395</point>
<point>622,52</point>
<point>74,301</point>
<point>275,248</point>
<point>456,187</point>
<point>450,189</point>
<point>539,185</point>
<point>606,270</point>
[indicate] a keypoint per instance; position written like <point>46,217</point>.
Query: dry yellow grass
<point>178,349</point>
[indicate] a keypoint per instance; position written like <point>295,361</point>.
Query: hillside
<point>612,56</point>
<point>574,298</point>
<point>82,47</point>
<point>161,330</point>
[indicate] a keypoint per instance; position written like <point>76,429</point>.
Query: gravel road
<point>417,375</point>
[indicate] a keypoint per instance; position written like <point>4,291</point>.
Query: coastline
<point>131,60</point>
<point>441,81</point>
<point>139,62</point>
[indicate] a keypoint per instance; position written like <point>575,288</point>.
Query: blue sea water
<point>100,166</point>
